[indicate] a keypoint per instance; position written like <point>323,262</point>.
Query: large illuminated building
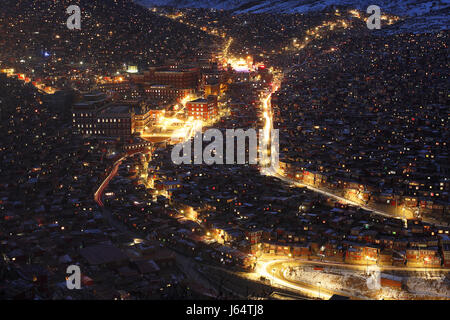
<point>97,115</point>
<point>85,112</point>
<point>166,84</point>
<point>146,116</point>
<point>177,78</point>
<point>202,109</point>
<point>115,121</point>
<point>124,90</point>
<point>166,93</point>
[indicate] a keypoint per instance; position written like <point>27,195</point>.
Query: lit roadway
<point>272,269</point>
<point>99,194</point>
<point>268,126</point>
<point>189,267</point>
<point>358,267</point>
<point>267,170</point>
<point>275,271</point>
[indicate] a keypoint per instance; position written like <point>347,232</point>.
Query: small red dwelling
<point>202,109</point>
<point>391,281</point>
<point>318,268</point>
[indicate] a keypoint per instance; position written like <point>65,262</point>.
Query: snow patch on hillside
<point>401,7</point>
<point>354,283</point>
<point>424,16</point>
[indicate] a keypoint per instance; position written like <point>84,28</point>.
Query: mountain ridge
<point>400,7</point>
<point>420,15</point>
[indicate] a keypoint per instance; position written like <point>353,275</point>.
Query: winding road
<point>269,170</point>
<point>99,193</point>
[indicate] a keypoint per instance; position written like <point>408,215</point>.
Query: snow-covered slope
<point>429,22</point>
<point>421,15</point>
<point>400,7</point>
